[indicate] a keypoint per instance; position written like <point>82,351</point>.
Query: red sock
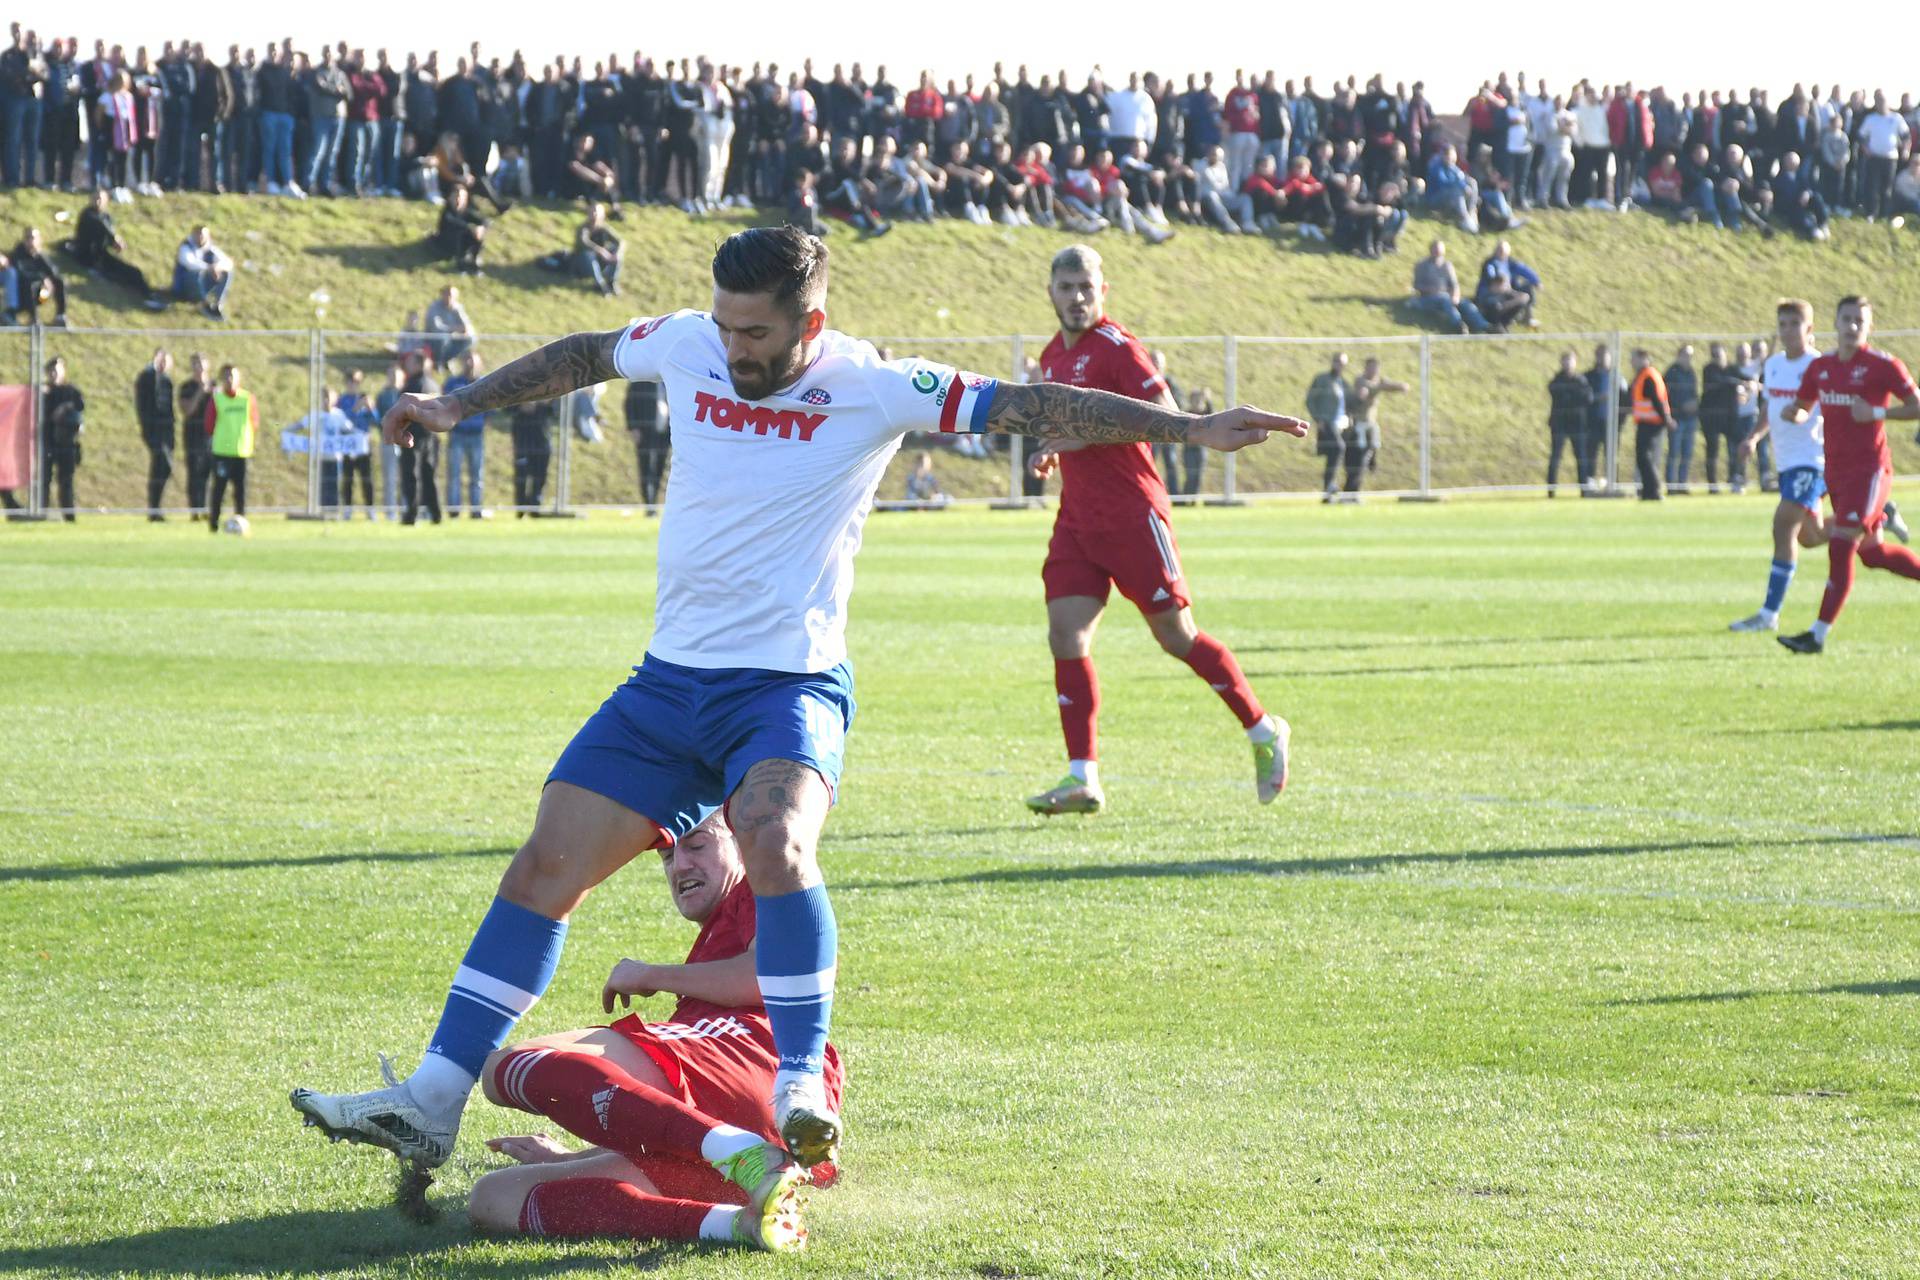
<point>1214,663</point>
<point>1884,555</point>
<point>1839,579</point>
<point>593,1099</point>
<point>608,1207</point>
<point>1079,690</point>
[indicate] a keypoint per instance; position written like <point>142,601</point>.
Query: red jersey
<point>1104,485</point>
<point>1834,384</point>
<point>1242,111</point>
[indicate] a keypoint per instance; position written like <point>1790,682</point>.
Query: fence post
<point>564,477</point>
<point>315,377</point>
<point>1229,388</point>
<point>1426,417</point>
<point>37,452</point>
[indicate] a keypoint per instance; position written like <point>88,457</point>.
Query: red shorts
<point>1139,557</point>
<point>1860,497</point>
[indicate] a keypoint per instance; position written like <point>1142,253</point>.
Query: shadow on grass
<point>381,259</point>
<point>1340,866</point>
<point>169,866</point>
<point>1885,726</point>
<point>310,1243</point>
<point>1906,987</point>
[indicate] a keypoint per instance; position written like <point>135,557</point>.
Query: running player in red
<point>684,1141</point>
<point>1856,388</point>
<point>1114,530</point>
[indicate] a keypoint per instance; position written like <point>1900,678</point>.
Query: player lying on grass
<point>1857,390</point>
<point>684,1144</point>
<point>1114,529</point>
<point>1800,449</point>
<point>782,431</point>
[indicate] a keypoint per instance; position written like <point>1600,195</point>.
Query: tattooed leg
<point>776,814</point>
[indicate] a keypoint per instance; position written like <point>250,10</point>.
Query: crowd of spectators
<point>1344,166</point>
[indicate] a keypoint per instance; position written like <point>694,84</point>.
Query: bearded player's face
<point>1079,299</point>
<point>766,342</point>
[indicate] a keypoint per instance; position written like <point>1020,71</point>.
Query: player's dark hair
<point>1797,306</point>
<point>783,261</point>
<point>1859,300</point>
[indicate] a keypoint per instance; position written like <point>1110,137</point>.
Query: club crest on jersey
<point>1080,364</point>
<point>732,415</point>
<point>816,395</point>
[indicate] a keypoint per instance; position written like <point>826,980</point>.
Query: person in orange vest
<point>1652,420</point>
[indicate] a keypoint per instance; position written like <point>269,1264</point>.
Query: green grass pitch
<point>1582,945</point>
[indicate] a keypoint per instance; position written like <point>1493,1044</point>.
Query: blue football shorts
<point>1804,487</point>
<point>673,742</point>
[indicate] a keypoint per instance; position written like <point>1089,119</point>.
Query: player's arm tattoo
<point>1081,413</point>
<point>578,360</point>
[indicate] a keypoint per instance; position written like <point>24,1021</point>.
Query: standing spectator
<point>37,280</point>
<point>233,419</point>
<point>274,84</point>
<point>193,432</point>
<point>1436,293</point>
<point>1834,152</point>
<point>239,159</point>
<point>365,91</point>
<point>1201,110</point>
<point>1683,394</point>
<point>1652,421</point>
<point>449,329</point>
<point>1543,118</point>
<point>1276,122</point>
<point>1721,387</point>
<point>19,110</point>
<point>389,453</point>
<point>467,449</point>
<point>713,133</point>
<point>1132,116</point>
<point>1363,437</point>
<point>179,136</point>
<point>1885,139</point>
<point>1592,147</point>
<point>1193,458</point>
<point>1630,135</point>
<point>357,459</point>
<point>1603,416</point>
<point>1571,397</point>
<point>420,456</point>
<point>202,273</point>
<point>531,425</point>
<point>647,426</point>
<point>1451,193</point>
<point>1241,115</point>
<point>153,410</point>
<point>1327,399</point>
<point>63,418</point>
<point>922,112</point>
<point>210,113</point>
<point>1751,361</point>
<point>1090,111</point>
<point>461,231</point>
<point>97,246</point>
<point>60,119</point>
<point>1517,166</point>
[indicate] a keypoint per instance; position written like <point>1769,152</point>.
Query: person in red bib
<point>1858,390</point>
<point>1114,529</point>
<point>684,1141</point>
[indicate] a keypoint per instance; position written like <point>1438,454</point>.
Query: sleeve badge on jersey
<point>645,327</point>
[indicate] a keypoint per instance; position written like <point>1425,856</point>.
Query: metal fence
<point>1472,419</point>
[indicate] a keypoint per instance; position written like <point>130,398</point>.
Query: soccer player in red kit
<point>1856,388</point>
<point>684,1141</point>
<point>1114,530</point>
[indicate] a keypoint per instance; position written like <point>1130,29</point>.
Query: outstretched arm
<point>1101,417</point>
<point>730,983</point>
<point>578,360</point>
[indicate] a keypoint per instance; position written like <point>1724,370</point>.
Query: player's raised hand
<point>435,413</point>
<point>1243,425</point>
<point>629,978</point>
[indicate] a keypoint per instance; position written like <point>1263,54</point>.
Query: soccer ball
<point>237,525</point>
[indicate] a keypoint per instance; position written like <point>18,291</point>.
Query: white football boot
<point>387,1118</point>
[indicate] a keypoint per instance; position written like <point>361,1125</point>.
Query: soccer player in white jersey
<point>781,431</point>
<point>1799,451</point>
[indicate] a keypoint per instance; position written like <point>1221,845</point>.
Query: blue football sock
<point>1778,579</point>
<point>795,949</point>
<point>507,969</point>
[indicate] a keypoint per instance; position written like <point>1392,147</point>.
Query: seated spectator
<point>97,246</point>
<point>1436,292</point>
<point>902,186</point>
<point>1360,225</point>
<point>1667,188</point>
<point>1795,201</point>
<point>1116,202</point>
<point>1738,197</point>
<point>1213,189</point>
<point>35,280</point>
<point>513,175</point>
<point>1306,201</point>
<point>202,273</point>
<point>968,185</point>
<point>1032,170</point>
<point>1700,183</point>
<point>1496,210</point>
<point>922,484</point>
<point>1008,200</point>
<point>803,204</point>
<point>1450,192</point>
<point>589,178</point>
<point>450,332</point>
<point>1260,203</point>
<point>1395,171</point>
<point>1080,194</point>
<point>596,253</point>
<point>1506,290</point>
<point>1146,183</point>
<point>461,232</point>
<point>849,195</point>
<point>1906,188</point>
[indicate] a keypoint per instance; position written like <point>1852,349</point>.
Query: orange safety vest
<point>1650,398</point>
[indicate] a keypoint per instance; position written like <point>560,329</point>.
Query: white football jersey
<point>768,498</point>
<point>1801,444</point>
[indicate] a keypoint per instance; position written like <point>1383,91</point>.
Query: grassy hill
<point>941,284</point>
